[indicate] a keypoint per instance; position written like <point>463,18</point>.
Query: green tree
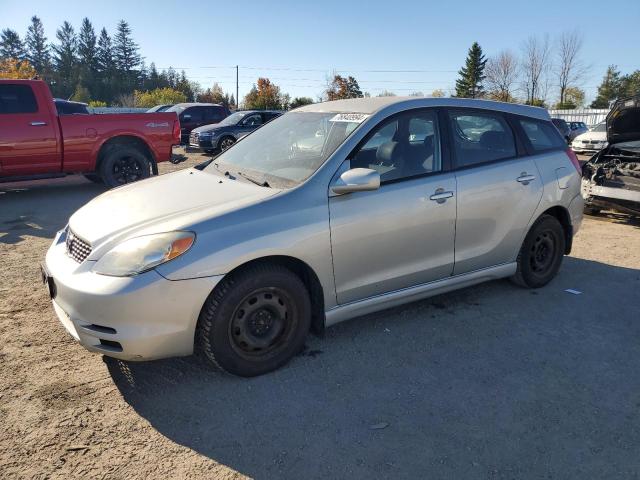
<point>630,85</point>
<point>300,102</point>
<point>65,60</point>
<point>37,47</point>
<point>10,45</point>
<point>265,95</point>
<point>608,89</point>
<point>87,53</point>
<point>343,87</point>
<point>106,68</point>
<point>159,96</point>
<point>126,57</point>
<point>469,85</point>
<point>81,94</point>
<point>438,93</point>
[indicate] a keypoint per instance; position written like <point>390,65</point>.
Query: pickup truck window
<point>17,99</point>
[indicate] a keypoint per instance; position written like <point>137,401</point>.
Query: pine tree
<point>126,57</point>
<point>37,47</point>
<point>87,53</point>
<point>105,67</point>
<point>10,45</point>
<point>609,88</point>
<point>65,60</point>
<point>469,85</point>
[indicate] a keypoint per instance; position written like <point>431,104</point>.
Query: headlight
<point>140,254</point>
<point>205,134</point>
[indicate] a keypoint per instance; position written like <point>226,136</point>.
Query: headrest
<point>387,153</point>
<point>493,140</point>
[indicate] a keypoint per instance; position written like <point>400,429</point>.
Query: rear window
<point>542,135</point>
<point>17,99</point>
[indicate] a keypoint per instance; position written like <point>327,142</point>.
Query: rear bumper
<point>143,317</point>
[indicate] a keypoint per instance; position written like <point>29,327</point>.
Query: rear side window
<point>542,135</point>
<point>196,114</point>
<point>17,99</point>
<point>214,114</point>
<point>480,137</point>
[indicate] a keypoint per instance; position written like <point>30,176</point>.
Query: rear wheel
<point>541,253</point>
<point>124,164</point>
<point>255,320</point>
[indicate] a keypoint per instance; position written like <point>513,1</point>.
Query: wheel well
<point>128,141</point>
<point>226,135</point>
<point>308,277</point>
<point>562,215</point>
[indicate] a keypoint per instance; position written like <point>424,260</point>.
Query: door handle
<point>441,196</point>
<point>38,124</point>
<point>524,178</point>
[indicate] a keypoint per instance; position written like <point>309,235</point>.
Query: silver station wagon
<point>328,212</point>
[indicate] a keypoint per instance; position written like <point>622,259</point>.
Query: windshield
<point>601,127</point>
<point>232,119</point>
<point>289,149</point>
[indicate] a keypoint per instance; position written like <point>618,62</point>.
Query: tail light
<point>176,131</point>
<point>574,159</point>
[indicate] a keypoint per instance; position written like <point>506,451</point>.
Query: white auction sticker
<point>350,117</point>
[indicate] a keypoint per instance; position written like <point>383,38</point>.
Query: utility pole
<point>237,91</point>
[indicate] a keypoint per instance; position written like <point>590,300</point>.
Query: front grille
<point>194,138</point>
<point>77,248</point>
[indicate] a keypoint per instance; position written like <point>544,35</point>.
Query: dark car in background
<point>194,115</point>
<point>578,128</point>
<point>220,136</point>
<point>563,128</point>
<point>160,108</point>
<point>67,107</point>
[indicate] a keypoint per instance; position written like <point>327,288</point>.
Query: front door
<point>29,142</point>
<point>403,233</point>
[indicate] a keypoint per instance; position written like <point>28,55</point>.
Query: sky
<point>401,45</point>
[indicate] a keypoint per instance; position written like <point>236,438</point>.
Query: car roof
<point>374,104</point>
<point>197,104</point>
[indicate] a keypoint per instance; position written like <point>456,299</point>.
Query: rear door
<point>499,188</point>
<point>29,139</point>
<point>213,115</point>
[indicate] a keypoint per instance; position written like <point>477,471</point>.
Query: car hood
<point>206,128</point>
<point>159,204</point>
<point>623,121</point>
<point>602,136</point>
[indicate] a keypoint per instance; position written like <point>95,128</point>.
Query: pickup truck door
<point>29,132</point>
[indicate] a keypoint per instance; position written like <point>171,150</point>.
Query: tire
<point>93,177</point>
<point>123,164</point>
<point>541,253</point>
<point>254,321</point>
<point>225,143</point>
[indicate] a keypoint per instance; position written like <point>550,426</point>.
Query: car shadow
<point>41,208</point>
<point>491,381</point>
<point>616,217</point>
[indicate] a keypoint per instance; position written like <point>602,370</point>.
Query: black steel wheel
<point>541,254</point>
<point>255,320</point>
<point>124,164</point>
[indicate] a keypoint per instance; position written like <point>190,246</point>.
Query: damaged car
<point>611,178</point>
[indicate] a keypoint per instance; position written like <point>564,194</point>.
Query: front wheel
<point>541,254</point>
<point>255,320</point>
<point>226,143</point>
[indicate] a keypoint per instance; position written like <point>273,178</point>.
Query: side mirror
<point>356,180</point>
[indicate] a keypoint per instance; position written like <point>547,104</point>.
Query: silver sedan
<point>331,211</point>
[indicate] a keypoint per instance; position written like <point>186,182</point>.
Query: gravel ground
<point>489,382</point>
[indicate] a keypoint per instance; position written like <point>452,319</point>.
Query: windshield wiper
<point>264,183</point>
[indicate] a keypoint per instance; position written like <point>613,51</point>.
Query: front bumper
<point>143,317</point>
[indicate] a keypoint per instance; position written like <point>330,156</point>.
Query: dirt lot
<point>490,382</point>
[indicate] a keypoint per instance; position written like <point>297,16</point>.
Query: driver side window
<point>404,147</point>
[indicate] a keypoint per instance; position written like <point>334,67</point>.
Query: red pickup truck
<point>36,142</point>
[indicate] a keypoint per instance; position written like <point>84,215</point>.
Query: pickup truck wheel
<point>226,142</point>
<point>541,254</point>
<point>255,321</point>
<point>124,164</point>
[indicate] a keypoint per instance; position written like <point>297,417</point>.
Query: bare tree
<point>569,68</point>
<point>501,75</point>
<point>535,66</point>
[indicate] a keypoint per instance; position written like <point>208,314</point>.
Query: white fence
<point>590,116</point>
